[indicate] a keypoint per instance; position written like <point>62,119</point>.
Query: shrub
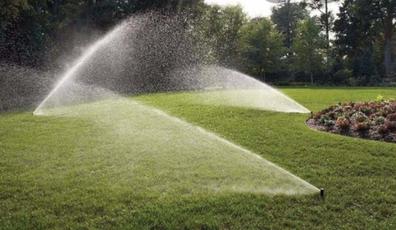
<point>393,106</point>
<point>343,123</point>
<point>329,123</point>
<point>383,129</point>
<point>375,120</point>
<point>379,120</point>
<point>387,109</point>
<point>391,117</point>
<point>323,119</point>
<point>390,125</point>
<point>359,117</point>
<point>361,126</point>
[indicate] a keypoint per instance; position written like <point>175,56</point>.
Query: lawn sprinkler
<point>322,193</point>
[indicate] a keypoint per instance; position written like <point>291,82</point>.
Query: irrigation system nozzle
<point>322,193</point>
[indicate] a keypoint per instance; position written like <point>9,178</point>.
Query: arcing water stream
<point>182,155</point>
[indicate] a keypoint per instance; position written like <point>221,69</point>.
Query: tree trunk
<point>327,24</point>
<point>388,34</point>
<point>312,78</point>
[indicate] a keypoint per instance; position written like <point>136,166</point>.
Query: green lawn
<point>54,173</point>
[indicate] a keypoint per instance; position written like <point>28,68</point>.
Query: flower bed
<point>370,120</point>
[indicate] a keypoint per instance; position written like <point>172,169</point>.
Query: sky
<point>258,8</point>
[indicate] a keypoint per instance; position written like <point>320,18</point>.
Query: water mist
<point>154,53</point>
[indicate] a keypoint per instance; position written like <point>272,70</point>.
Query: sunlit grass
<point>48,179</point>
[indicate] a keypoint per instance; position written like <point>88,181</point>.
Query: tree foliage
<point>286,18</point>
<point>31,29</point>
<point>262,48</point>
<point>10,11</point>
<point>36,33</point>
<point>220,28</point>
<point>359,28</point>
<point>308,48</point>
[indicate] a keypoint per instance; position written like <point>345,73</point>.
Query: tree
<point>308,48</point>
<point>387,17</point>
<point>261,47</point>
<point>326,17</point>
<point>360,24</point>
<point>10,10</point>
<point>30,29</point>
<point>23,39</point>
<point>286,18</point>
<point>220,29</point>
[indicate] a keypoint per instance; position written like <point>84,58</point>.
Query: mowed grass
<point>60,186</point>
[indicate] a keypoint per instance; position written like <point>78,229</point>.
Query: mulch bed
<point>369,120</point>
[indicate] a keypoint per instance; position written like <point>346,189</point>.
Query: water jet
<point>116,64</point>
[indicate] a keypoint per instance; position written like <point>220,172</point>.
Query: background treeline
<point>355,47</point>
